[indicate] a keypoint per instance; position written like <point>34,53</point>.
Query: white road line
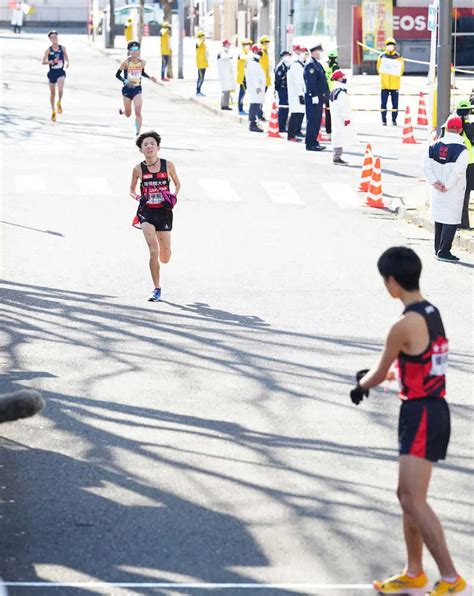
<point>219,190</point>
<point>282,193</point>
<point>31,184</point>
<point>343,195</point>
<point>94,186</point>
<point>187,585</point>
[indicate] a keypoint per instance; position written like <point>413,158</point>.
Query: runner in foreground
<point>56,57</point>
<point>418,341</point>
<point>133,69</point>
<point>155,215</point>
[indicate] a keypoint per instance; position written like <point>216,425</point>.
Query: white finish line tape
<point>195,586</point>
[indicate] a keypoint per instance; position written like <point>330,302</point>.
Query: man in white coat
<point>445,169</point>
<point>17,17</point>
<point>296,91</point>
<point>226,74</point>
<point>256,79</point>
<point>340,116</point>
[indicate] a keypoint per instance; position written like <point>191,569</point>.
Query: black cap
<point>319,46</point>
<point>133,45</point>
<point>285,53</point>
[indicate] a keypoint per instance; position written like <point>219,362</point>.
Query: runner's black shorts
<point>54,74</point>
<point>131,92</point>
<point>161,218</point>
<point>424,428</point>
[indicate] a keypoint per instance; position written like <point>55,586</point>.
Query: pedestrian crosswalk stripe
<point>218,189</point>
<point>282,193</point>
<point>30,184</point>
<point>94,186</point>
<point>342,194</point>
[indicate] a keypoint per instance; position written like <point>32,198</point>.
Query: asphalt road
<point>207,439</point>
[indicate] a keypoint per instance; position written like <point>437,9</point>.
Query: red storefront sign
<point>410,23</point>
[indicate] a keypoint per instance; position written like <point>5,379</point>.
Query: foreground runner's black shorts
<point>54,74</point>
<point>131,92</point>
<point>424,428</point>
<point>161,218</point>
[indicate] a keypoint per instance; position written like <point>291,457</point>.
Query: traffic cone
<point>323,136</point>
<point>366,174</point>
<point>422,119</point>
<point>374,194</point>
<point>408,129</point>
<point>273,128</point>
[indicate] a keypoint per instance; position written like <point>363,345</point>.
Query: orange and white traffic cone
<point>374,194</point>
<point>273,128</point>
<point>422,119</point>
<point>366,173</point>
<point>323,136</point>
<point>408,129</point>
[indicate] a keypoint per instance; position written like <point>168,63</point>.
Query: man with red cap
<point>445,169</point>
<point>341,115</point>
<point>226,74</point>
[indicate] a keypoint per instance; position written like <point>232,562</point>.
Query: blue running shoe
<point>155,295</point>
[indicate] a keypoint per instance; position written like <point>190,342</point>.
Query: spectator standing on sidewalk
<point>445,169</point>
<point>255,77</point>
<point>317,92</point>
<point>165,46</point>
<point>296,93</point>
<point>17,18</point>
<point>265,64</point>
<point>128,30</point>
<point>390,67</point>
<point>201,61</point>
<point>241,62</point>
<point>330,68</point>
<point>341,115</point>
<point>463,110</point>
<point>226,74</point>
<point>281,87</point>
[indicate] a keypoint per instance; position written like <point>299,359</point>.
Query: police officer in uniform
<point>317,91</point>
<point>281,87</point>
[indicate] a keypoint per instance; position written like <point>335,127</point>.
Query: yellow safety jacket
<point>470,147</point>
<point>265,64</point>
<point>165,43</point>
<point>201,54</point>
<point>388,81</point>
<point>241,62</point>
<point>128,32</point>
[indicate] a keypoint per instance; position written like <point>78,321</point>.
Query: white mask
<point>390,47</point>
<point>287,60</point>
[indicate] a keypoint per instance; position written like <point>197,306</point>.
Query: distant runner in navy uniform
<point>417,342</point>
<point>57,59</point>
<point>281,87</point>
<point>317,91</point>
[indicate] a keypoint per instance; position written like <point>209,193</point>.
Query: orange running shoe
<point>53,116</point>
<point>60,109</point>
<point>403,584</point>
<point>443,587</point>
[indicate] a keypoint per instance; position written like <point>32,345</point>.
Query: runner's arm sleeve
<point>145,74</point>
<point>119,76</point>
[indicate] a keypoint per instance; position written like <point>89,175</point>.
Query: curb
<point>414,217</point>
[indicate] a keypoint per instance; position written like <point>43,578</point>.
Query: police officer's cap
<point>318,46</point>
<point>285,53</point>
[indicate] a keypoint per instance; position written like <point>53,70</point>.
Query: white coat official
<point>226,74</point>
<point>255,77</point>
<point>446,162</point>
<point>342,133</point>
<point>296,86</point>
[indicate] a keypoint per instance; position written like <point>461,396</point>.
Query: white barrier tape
<point>362,45</point>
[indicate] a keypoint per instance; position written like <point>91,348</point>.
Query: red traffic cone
<point>323,136</point>
<point>422,119</point>
<point>408,129</point>
<point>366,173</point>
<point>374,194</point>
<point>273,128</point>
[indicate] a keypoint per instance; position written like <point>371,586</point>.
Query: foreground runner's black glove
<point>358,394</point>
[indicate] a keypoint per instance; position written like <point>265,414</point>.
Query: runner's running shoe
<point>53,116</point>
<point>403,584</point>
<point>60,108</point>
<point>459,586</point>
<point>155,295</point>
<point>121,111</point>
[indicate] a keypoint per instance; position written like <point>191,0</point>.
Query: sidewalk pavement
<point>405,189</point>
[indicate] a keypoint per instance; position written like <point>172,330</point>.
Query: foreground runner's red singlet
<point>424,375</point>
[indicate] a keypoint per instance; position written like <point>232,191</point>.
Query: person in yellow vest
<point>265,64</point>
<point>464,109</point>
<point>390,67</point>
<point>241,62</point>
<point>128,30</point>
<point>201,61</point>
<point>165,49</point>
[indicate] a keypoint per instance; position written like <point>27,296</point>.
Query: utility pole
<point>444,62</point>
<point>141,19</point>
<point>110,25</point>
<point>180,38</point>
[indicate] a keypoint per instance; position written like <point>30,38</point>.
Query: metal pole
<point>180,38</point>
<point>278,32</point>
<point>444,62</point>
